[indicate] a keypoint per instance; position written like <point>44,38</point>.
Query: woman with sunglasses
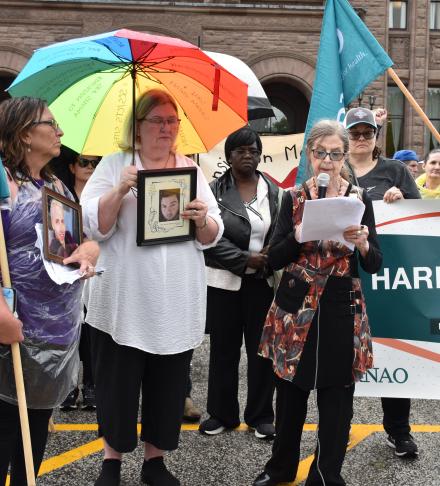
<point>79,171</point>
<point>316,332</point>
<point>29,138</point>
<point>390,181</point>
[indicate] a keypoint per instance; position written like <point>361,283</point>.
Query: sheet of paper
<point>60,274</point>
<point>326,219</point>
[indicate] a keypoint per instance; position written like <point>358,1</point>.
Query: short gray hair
<point>326,128</point>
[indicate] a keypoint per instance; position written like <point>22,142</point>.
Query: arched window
<point>290,106</point>
<point>5,81</point>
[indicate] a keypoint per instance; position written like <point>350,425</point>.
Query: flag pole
<point>18,373</point>
<point>414,103</point>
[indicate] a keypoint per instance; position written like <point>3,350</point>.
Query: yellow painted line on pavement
<point>71,456</point>
<point>359,432</point>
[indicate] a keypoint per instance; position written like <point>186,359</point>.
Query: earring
<point>29,148</point>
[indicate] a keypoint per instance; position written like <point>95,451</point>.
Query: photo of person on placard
<point>169,203</point>
<point>62,242</point>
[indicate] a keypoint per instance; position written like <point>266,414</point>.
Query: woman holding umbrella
<point>147,311</point>
<point>50,313</point>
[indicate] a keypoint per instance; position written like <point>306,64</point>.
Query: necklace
<point>146,165</point>
<point>315,186</point>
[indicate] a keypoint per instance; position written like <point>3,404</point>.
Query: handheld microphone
<point>322,182</point>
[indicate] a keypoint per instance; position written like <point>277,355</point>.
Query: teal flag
<point>4,188</point>
<point>349,59</point>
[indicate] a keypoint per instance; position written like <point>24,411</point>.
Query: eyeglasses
<point>368,134</point>
<point>83,162</point>
<point>243,151</point>
<point>53,123</point>
<point>334,156</point>
<point>172,121</point>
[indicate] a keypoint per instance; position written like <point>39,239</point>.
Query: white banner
<point>279,160</point>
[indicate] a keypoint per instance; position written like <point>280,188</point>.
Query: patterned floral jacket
<point>303,282</point>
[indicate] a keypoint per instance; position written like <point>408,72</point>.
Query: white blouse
<point>260,221</point>
<point>152,298</point>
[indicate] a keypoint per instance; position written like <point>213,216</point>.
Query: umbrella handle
<point>133,116</point>
<point>18,373</point>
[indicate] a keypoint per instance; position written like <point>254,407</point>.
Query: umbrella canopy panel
<point>88,84</point>
<point>259,105</point>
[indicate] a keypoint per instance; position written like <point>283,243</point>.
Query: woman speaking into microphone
<point>316,332</point>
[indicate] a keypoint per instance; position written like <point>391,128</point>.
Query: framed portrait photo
<point>62,226</point>
<point>162,196</point>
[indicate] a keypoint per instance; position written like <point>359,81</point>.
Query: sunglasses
<point>83,162</point>
<point>368,134</point>
<point>322,154</point>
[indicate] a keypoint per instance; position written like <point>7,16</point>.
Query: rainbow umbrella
<point>91,83</point>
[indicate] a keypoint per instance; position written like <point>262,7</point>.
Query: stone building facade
<point>278,39</point>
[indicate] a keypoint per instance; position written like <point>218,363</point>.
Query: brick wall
<point>246,32</point>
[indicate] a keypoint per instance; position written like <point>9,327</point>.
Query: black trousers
<point>396,416</point>
<point>120,373</point>
<point>85,354</point>
<point>229,316</point>
<point>11,445</point>
<point>335,407</point>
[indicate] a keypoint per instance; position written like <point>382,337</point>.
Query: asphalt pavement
<point>235,458</point>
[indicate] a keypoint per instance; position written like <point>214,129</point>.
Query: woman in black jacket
<point>240,289</point>
<point>316,334</point>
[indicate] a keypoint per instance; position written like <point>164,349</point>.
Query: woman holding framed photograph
<point>50,313</point>
<point>147,311</point>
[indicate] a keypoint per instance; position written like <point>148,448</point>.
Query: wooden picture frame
<point>62,226</point>
<point>162,196</point>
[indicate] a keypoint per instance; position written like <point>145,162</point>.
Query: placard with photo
<point>62,226</point>
<point>162,196</point>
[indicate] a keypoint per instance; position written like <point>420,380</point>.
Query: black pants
<point>120,373</point>
<point>11,445</point>
<point>85,354</point>
<point>229,316</point>
<point>396,416</point>
<point>335,406</point>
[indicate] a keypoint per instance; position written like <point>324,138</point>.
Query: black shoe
<point>211,426</point>
<point>155,473</point>
<point>264,480</point>
<point>110,473</point>
<point>89,400</point>
<point>191,413</point>
<point>403,446</point>
<point>70,402</point>
<point>265,431</point>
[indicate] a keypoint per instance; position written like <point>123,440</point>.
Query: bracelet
<point>204,226</point>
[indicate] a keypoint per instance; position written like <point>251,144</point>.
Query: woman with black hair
<point>239,294</point>
<point>390,181</point>
<point>79,172</point>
